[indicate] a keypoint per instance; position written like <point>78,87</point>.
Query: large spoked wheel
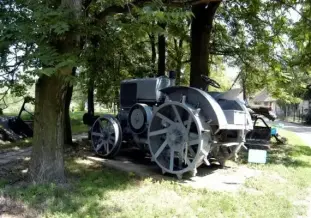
<point>106,136</point>
<point>176,140</point>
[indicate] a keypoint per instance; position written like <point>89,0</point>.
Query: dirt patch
<point>229,179</point>
<point>214,178</point>
<point>10,208</point>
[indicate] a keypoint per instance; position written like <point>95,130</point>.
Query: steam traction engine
<point>181,127</point>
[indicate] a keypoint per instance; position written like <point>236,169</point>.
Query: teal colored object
<point>281,125</point>
<point>274,131</point>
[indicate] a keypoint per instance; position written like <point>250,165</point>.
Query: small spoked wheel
<point>176,139</point>
<point>106,135</point>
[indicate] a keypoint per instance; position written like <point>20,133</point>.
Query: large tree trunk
<point>90,97</point>
<point>161,51</point>
<point>47,158</point>
<point>47,161</point>
<point>153,53</point>
<point>201,28</point>
<point>68,132</point>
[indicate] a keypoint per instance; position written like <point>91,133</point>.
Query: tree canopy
<point>92,43</point>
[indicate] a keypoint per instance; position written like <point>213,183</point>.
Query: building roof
<point>263,96</point>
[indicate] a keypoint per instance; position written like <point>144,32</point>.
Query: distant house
<point>263,98</point>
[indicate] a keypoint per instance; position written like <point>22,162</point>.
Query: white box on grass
<point>257,156</point>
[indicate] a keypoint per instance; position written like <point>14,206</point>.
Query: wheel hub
<point>176,136</point>
<point>105,136</point>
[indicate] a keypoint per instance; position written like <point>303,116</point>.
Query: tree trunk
<point>81,105</point>
<point>244,87</point>
<point>153,53</point>
<point>47,161</point>
<point>90,97</point>
<point>179,56</point>
<point>47,158</point>
<point>201,28</point>
<point>68,132</point>
<point>161,50</point>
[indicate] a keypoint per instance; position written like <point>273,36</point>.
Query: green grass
<point>24,116</point>
<point>77,125</point>
<point>16,145</point>
<point>93,191</point>
<point>106,193</point>
<point>287,173</point>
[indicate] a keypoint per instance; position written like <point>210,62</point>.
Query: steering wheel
<point>210,81</point>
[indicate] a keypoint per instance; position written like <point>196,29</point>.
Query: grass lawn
<point>77,125</point>
<point>77,122</point>
<point>92,191</point>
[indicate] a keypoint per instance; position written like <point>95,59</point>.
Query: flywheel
<point>178,141</point>
<point>106,135</point>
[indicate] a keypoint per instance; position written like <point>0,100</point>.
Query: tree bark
<point>201,28</point>
<point>68,132</point>
<point>179,56</point>
<point>153,53</point>
<point>47,161</point>
<point>90,97</point>
<point>47,158</point>
<point>244,88</point>
<point>161,50</point>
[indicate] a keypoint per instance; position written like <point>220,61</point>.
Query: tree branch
<point>114,9</point>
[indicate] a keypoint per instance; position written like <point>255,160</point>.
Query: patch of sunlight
<point>84,162</point>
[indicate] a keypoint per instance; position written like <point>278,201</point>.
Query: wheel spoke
<point>100,126</point>
<point>107,147</point>
<point>194,142</point>
<point>177,113</point>
<point>193,136</point>
<point>181,158</point>
<point>161,148</point>
<point>99,146</point>
<point>187,161</point>
<point>97,134</point>
<point>189,121</point>
<point>172,156</point>
<point>165,118</point>
<point>111,141</point>
<point>158,132</point>
<point>191,151</point>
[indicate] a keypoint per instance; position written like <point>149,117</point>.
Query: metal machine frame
<point>181,127</point>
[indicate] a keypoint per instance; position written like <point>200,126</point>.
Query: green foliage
<point>218,74</point>
<point>276,190</point>
<point>260,38</point>
<point>254,36</point>
<point>32,39</point>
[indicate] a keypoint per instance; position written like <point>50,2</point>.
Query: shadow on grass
<point>87,187</point>
<point>287,155</point>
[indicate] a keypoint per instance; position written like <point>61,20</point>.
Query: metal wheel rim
<point>198,140</point>
<point>106,136</point>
